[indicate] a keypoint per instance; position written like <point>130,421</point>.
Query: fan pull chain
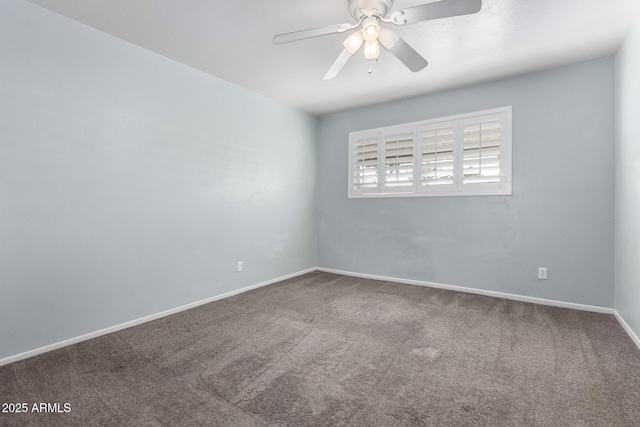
<point>370,69</point>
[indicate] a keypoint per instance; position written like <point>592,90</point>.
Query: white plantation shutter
<point>437,156</point>
<point>398,161</point>
<point>483,151</point>
<point>364,162</point>
<point>468,154</point>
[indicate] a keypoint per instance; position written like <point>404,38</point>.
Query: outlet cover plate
<point>542,273</point>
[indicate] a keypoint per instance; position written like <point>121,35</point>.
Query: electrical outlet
<point>542,273</point>
<point>240,265</point>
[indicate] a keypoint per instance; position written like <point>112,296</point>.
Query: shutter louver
<point>437,156</point>
<point>365,164</point>
<point>398,161</point>
<point>481,158</point>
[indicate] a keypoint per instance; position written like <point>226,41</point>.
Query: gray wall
<point>560,215</point>
<point>627,207</point>
<point>131,184</point>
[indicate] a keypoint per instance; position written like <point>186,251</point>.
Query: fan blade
<point>333,71</point>
<point>436,10</point>
<point>401,49</point>
<point>313,32</point>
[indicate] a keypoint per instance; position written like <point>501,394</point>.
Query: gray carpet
<point>329,350</point>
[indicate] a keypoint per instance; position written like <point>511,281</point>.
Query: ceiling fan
<point>369,16</point>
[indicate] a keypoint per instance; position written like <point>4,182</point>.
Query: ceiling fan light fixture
<point>353,42</point>
<point>371,50</point>
<point>388,38</point>
<point>369,16</point>
<point>370,29</point>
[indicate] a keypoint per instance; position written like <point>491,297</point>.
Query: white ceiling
<point>232,40</point>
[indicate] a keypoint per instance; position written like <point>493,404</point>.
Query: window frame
<point>458,188</point>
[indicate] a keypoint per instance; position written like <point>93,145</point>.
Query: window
<point>464,155</point>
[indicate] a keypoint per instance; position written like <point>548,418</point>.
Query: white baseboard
<point>149,318</point>
<point>514,297</point>
<point>141,320</point>
<point>627,328</point>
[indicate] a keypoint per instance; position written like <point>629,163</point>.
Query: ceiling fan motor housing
<point>358,8</point>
